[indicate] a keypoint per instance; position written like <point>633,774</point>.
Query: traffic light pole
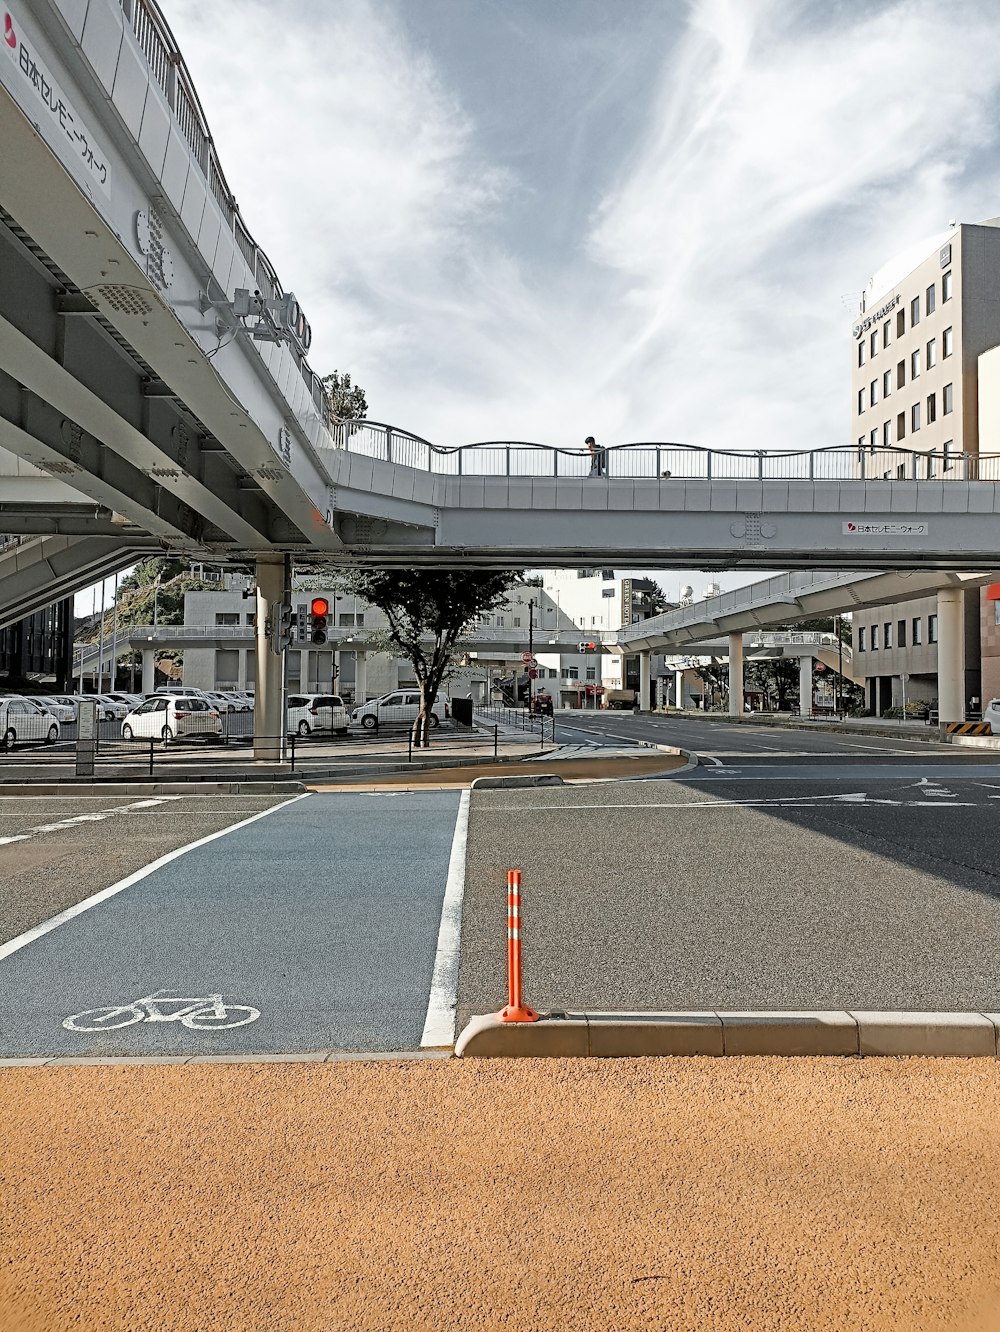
<point>531,649</point>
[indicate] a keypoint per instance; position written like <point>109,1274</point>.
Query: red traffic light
<point>319,606</point>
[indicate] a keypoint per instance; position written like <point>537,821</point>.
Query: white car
<point>23,720</point>
<point>110,708</point>
<point>219,700</point>
<point>166,717</point>
<point>991,714</point>
<point>130,700</point>
<point>62,711</point>
<point>317,712</point>
<point>400,708</point>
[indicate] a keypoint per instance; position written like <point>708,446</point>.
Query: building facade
<point>917,348</point>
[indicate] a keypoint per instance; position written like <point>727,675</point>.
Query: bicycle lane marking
<point>324,919</point>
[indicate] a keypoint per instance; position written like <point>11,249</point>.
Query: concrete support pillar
<point>951,655</point>
<point>241,670</point>
<point>305,671</point>
<point>679,688</point>
<point>645,661</point>
<point>269,691</point>
<point>148,671</point>
<point>736,675</point>
<point>360,678</point>
<point>805,686</point>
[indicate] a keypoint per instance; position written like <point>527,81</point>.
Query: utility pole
<point>840,665</point>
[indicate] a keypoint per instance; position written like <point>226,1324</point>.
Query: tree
<point>422,604</point>
<point>346,401</point>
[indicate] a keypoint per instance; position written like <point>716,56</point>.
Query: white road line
<point>96,817</point>
<point>439,1024</point>
<point>780,802</point>
<point>38,931</point>
<point>24,837</point>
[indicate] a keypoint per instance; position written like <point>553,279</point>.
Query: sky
<point>638,219</point>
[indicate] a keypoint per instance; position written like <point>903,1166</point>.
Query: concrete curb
<point>307,1057</point>
<point>150,788</point>
<point>734,1032</point>
<point>541,779</point>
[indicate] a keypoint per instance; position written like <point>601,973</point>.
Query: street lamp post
<point>840,666</point>
<point>531,647</point>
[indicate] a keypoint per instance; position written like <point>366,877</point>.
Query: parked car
<point>991,714</point>
<point>400,708</point>
<point>22,720</point>
<point>178,690</point>
<point>63,712</point>
<point>111,708</point>
<point>70,701</point>
<point>317,712</point>
<point>241,702</point>
<point>219,700</point>
<point>130,700</point>
<point>165,717</point>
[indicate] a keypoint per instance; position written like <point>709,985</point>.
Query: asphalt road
<point>775,886</point>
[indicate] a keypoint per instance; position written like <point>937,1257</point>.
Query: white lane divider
<point>207,1013</point>
<point>439,1023</point>
<point>29,936</point>
<point>96,817</point>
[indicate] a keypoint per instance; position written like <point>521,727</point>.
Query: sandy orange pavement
<point>689,1194</point>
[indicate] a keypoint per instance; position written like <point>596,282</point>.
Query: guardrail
<point>166,65</point>
<point>661,461</point>
<point>520,719</point>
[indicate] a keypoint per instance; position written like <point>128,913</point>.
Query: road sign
<point>532,673</point>
<point>527,656</point>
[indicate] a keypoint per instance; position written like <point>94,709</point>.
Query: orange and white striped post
<point>515,1011</point>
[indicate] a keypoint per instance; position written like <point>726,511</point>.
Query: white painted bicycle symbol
<point>208,1013</point>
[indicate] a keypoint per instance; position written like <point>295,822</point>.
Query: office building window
<point>252,619</point>
<point>873,342</point>
<point>887,634</point>
<point>553,673</point>
<point>572,672</point>
<point>227,617</point>
<point>901,426</point>
<point>886,434</point>
<point>931,408</point>
<point>887,333</point>
<point>947,342</point>
<point>901,374</point>
<point>861,401</point>
<point>948,450</point>
<point>914,418</point>
<point>517,621</point>
<point>946,286</point>
<point>610,591</point>
<point>916,635</point>
<point>873,392</point>
<point>874,637</point>
<point>886,383</point>
<point>915,311</point>
<point>861,636</point>
<point>932,628</point>
<point>901,633</point>
<point>915,363</point>
<point>861,352</point>
<point>900,324</point>
<point>873,439</point>
<point>930,299</point>
<point>591,672</point>
<point>932,353</point>
<point>947,399</point>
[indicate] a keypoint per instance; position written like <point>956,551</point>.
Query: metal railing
<point>166,64</point>
<point>665,461</point>
<point>520,719</point>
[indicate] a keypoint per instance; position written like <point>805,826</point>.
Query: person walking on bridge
<point>598,457</point>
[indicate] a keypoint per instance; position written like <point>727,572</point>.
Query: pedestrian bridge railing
<point>654,461</point>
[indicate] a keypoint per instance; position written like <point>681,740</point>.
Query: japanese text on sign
<point>61,117</point>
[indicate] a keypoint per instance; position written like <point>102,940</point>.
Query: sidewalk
<point>564,1196</point>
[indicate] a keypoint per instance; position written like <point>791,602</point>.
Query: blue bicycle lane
<point>322,915</point>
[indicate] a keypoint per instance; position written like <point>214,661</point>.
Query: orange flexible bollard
<point>515,1010</point>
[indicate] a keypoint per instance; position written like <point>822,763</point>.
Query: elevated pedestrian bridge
<point>156,392</point>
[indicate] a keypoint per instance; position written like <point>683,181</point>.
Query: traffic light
<point>282,624</point>
<point>319,611</point>
<point>589,647</point>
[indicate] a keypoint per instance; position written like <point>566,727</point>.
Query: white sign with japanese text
<point>57,119</point>
<point>864,528</point>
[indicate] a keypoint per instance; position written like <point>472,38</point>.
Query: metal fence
<point>522,720</point>
<point>664,461</point>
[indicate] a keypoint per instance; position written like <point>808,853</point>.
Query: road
<point>789,869</point>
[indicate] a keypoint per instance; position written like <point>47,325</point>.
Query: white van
<point>400,708</point>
